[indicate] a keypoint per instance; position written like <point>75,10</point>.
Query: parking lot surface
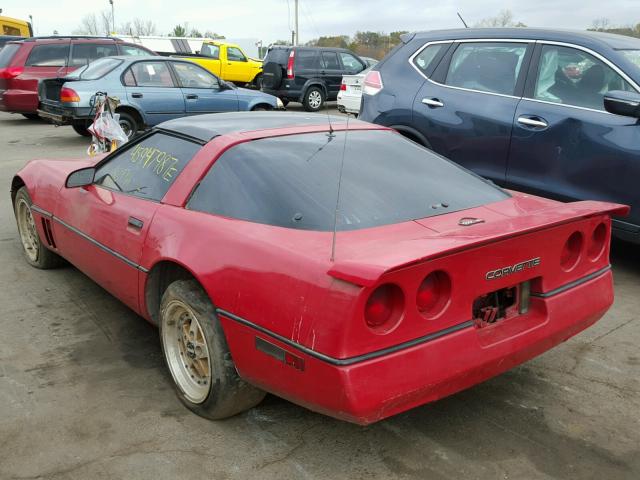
<point>84,393</point>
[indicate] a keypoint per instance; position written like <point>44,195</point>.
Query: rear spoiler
<point>366,272</point>
<point>407,37</point>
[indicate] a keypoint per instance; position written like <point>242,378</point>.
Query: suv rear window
<point>277,55</point>
<point>292,181</point>
<point>85,53</point>
<point>425,57</point>
<point>48,55</point>
<point>7,53</point>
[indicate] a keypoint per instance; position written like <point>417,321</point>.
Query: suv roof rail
<point>66,37</point>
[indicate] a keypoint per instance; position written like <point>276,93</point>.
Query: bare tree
<point>142,27</point>
<point>213,35</point>
<point>105,21</point>
<point>88,25</point>
<point>600,24</point>
<point>502,20</point>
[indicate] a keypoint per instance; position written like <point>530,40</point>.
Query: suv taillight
<point>68,95</point>
<point>343,86</point>
<point>373,83</point>
<point>10,72</point>
<point>292,57</point>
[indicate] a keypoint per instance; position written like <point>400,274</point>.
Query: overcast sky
<point>269,20</point>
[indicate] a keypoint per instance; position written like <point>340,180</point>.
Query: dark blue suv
<point>553,113</point>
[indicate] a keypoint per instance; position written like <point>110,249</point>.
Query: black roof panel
<point>206,127</point>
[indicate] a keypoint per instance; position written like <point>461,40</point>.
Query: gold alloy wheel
<point>27,230</point>
<point>186,351</point>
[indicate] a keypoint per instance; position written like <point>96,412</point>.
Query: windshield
<point>633,56</point>
<point>292,181</point>
<point>96,69</point>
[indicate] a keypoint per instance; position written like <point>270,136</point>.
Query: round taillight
<point>434,294</point>
<point>598,242</point>
<point>571,251</point>
<point>384,308</point>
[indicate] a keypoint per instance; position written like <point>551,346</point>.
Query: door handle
<point>192,96</point>
<point>135,223</point>
<point>536,122</point>
<point>433,102</point>
<point>136,95</point>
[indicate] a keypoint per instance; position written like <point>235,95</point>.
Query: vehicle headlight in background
<point>279,103</point>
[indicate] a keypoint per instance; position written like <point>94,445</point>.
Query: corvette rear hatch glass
<point>292,181</point>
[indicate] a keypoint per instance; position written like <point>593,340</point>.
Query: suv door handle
<point>533,121</point>
<point>136,95</point>
<point>433,102</point>
<point>135,223</point>
<point>192,96</point>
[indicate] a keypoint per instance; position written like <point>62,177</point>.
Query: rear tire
<point>129,124</point>
<point>80,127</point>
<point>36,254</point>
<point>313,99</point>
<point>31,116</point>
<point>197,355</point>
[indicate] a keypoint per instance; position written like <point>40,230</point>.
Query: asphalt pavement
<point>84,393</point>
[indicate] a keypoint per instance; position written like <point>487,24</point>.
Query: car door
<point>151,89</point>
<point>202,91</point>
<point>236,68</point>
<point>331,73</point>
<point>564,144</point>
<point>101,227</point>
<point>465,110</point>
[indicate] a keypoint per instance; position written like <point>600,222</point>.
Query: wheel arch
<point>134,113</point>
<point>412,134</point>
<point>16,184</point>
<point>314,83</point>
<point>160,276</point>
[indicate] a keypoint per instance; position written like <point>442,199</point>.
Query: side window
<point>486,66</point>
<point>192,76</point>
<point>423,59</point>
<point>52,55</point>
<point>573,77</point>
<point>350,63</point>
<point>133,51</point>
<point>211,51</point>
<point>85,53</point>
<point>330,61</point>
<point>306,60</point>
<point>152,74</point>
<point>128,79</point>
<point>149,168</point>
<point>13,31</point>
<point>235,55</point>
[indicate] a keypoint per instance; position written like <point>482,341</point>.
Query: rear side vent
<point>48,233</point>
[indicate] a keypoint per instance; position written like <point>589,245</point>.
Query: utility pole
<point>297,31</point>
<point>113,18</point>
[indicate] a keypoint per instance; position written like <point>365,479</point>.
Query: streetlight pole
<point>297,31</point>
<point>33,30</point>
<point>113,18</point>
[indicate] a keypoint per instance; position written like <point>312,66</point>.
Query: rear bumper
<point>373,389</point>
<point>348,103</point>
<point>63,115</point>
<point>18,101</point>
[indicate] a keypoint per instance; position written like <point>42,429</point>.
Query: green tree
<point>178,31</point>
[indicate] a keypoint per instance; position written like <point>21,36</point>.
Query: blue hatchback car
<point>554,113</point>
<point>151,90</point>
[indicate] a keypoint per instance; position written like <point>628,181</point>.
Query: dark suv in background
<point>553,113</point>
<point>24,63</point>
<point>309,75</point>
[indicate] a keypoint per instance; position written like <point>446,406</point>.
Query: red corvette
<point>337,265</point>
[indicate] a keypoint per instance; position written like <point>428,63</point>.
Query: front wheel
<point>36,254</point>
<point>313,99</point>
<point>198,357</point>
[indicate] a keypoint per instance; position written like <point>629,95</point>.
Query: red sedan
<point>337,265</point>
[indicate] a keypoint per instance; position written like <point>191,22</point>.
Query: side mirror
<point>80,178</point>
<point>622,103</point>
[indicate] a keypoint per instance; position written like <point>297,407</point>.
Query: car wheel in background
<point>35,252</point>
<point>257,82</point>
<point>129,124</point>
<point>31,116</point>
<point>196,353</point>
<point>260,108</point>
<point>313,99</point>
<point>271,76</point>
<point>80,127</point>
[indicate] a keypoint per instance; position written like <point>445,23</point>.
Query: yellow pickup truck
<point>228,62</point>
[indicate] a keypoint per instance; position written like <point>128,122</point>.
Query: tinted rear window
<point>6,54</point>
<point>85,53</point>
<point>277,55</point>
<point>48,55</point>
<point>292,181</point>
